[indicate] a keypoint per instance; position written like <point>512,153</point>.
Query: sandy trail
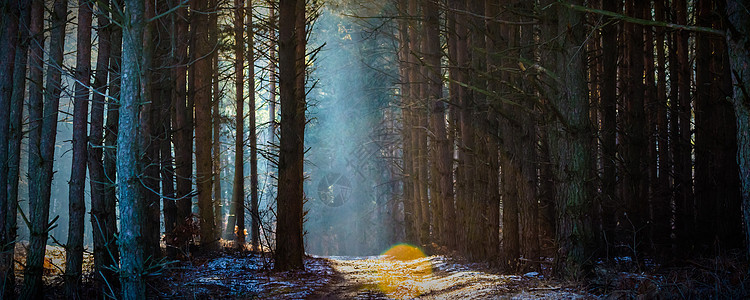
<point>433,277</point>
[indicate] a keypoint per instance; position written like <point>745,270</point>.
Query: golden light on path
<point>402,272</point>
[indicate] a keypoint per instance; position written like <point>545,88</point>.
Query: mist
<point>348,186</point>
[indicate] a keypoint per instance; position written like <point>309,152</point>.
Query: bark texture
<point>292,40</point>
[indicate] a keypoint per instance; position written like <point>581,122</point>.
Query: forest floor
<point>246,275</point>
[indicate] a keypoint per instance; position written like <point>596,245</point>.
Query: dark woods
<point>558,129</point>
<point>528,134</point>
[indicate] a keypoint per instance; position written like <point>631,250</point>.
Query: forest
<point>394,149</point>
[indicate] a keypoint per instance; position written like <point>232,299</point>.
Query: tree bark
<point>452,36</point>
<point>684,204</point>
<point>738,37</point>
<point>216,116</point>
<point>570,144</point>
<point>8,42</point>
<point>108,222</point>
<point>147,137</point>
<point>129,168</point>
<point>405,88</point>
<point>476,134</point>
<point>183,136</point>
<point>633,147</point>
<point>526,182</point>
<point>441,154</point>
<point>292,40</point>
<point>661,202</point>
<point>608,112</point>
<point>97,177</point>
<point>202,88</point>
<point>165,91</point>
<point>254,213</point>
<point>42,156</point>
<point>15,130</point>
<point>238,189</point>
<point>77,183</point>
<point>717,175</point>
<point>651,102</point>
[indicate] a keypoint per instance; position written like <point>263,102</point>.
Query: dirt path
<point>432,277</point>
<point>250,276</point>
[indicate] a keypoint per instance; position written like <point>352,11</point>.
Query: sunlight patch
<point>402,271</point>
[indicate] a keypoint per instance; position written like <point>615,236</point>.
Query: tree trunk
<point>216,116</point>
<point>651,102</point>
<point>202,88</point>
<point>526,182</point>
<point>129,152</point>
<point>717,175</point>
<point>441,154</point>
<point>684,200</point>
<point>608,112</point>
<point>738,37</point>
<point>570,145</point>
<point>8,42</point>
<point>464,169</point>
<point>147,138</point>
<point>15,130</point>
<point>405,88</point>
<point>292,40</point>
<point>42,156</point>
<point>633,147</point>
<point>452,240</point>
<point>183,136</point>
<point>476,135</point>
<point>165,91</point>
<point>254,213</point>
<point>109,219</point>
<point>272,111</point>
<point>98,180</point>
<point>661,203</point>
<point>238,189</point>
<point>77,183</point>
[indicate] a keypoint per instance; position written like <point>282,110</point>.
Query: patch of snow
<point>531,274</point>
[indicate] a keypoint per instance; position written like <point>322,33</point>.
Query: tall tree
<point>162,91</point>
<point>661,201</point>
<point>457,54</point>
<point>77,183</point>
<point>202,87</point>
<point>8,41</point>
<point>479,135</point>
<point>569,140</point>
<point>683,163</point>
<point>502,43</point>
<point>717,175</point>
<point>98,180</point>
<point>441,155</point>
<point>738,37</point>
<point>237,210</point>
<point>15,131</point>
<point>183,126</point>
<point>254,213</point>
<point>42,154</point>
<point>633,149</point>
<point>130,190</point>
<point>216,116</point>
<point>107,225</point>
<point>608,114</point>
<point>410,217</point>
<point>169,205</point>
<point>148,135</point>
<point>290,247</point>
